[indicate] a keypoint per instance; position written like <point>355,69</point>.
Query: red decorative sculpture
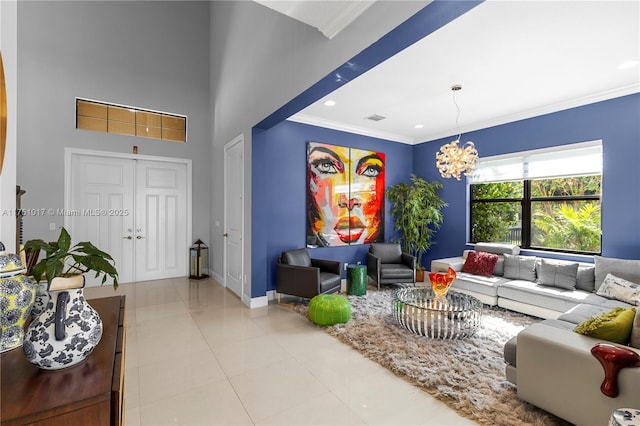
<point>613,359</point>
<point>440,283</point>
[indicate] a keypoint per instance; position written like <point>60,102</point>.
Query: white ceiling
<point>514,59</point>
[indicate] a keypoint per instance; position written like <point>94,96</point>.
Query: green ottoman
<point>329,309</point>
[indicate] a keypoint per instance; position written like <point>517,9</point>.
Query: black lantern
<point>199,259</point>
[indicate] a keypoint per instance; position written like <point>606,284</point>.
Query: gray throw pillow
<point>623,268</point>
<point>519,267</point>
<point>558,274</point>
<point>586,277</point>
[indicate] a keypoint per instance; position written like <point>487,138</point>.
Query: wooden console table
<point>90,393</point>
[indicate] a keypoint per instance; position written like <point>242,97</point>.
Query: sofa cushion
<point>552,298</point>
<point>623,268</point>
<point>618,288</point>
<point>582,312</point>
<point>519,267</point>
<point>558,274</point>
<point>478,284</point>
<point>396,271</point>
<point>480,263</point>
<point>614,326</point>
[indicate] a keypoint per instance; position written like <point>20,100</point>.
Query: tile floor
<point>195,355</point>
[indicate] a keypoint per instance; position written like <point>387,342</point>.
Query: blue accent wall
<point>279,154</point>
<point>279,182</point>
<point>616,122</point>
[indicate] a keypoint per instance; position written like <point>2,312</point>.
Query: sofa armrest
<point>373,266</point>
<point>409,260</point>
<point>557,372</point>
<point>301,281</point>
<point>442,265</point>
<point>325,265</point>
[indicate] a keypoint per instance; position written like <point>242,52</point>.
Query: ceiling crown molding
<point>329,17</point>
<point>345,16</point>
<point>364,131</point>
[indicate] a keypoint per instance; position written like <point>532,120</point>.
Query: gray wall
<point>260,61</point>
<point>147,54</point>
<point>8,47</point>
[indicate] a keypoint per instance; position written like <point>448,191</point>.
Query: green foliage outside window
<point>493,221</point>
<point>565,213</point>
<point>574,226</point>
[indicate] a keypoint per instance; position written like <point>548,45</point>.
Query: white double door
<point>135,210</point>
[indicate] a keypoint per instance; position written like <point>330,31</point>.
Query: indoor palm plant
<point>417,211</point>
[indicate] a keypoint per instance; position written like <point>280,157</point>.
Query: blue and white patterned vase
<point>65,333</point>
<point>42,298</point>
<point>16,300</point>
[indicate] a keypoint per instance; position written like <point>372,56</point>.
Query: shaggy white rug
<point>468,374</point>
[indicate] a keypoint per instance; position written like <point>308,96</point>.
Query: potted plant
<point>62,260</point>
<point>65,328</point>
<point>417,211</point>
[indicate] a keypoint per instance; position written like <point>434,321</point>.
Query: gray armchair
<point>387,264</point>
<point>297,274</point>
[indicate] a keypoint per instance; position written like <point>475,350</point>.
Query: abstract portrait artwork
<point>345,195</point>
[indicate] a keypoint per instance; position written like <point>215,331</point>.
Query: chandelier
<point>453,160</point>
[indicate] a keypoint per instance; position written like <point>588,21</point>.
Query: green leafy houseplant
<point>417,211</point>
<point>63,260</point>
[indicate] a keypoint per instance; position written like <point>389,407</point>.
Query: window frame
<point>108,117</point>
<point>526,200</point>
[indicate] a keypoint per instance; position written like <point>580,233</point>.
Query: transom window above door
<point>127,120</point>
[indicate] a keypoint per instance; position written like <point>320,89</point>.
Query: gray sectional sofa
<point>551,365</point>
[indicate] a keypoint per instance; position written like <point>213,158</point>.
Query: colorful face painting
<point>345,195</point>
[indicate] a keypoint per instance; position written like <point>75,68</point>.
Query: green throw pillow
<point>613,326</point>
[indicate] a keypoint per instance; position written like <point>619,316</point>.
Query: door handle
<point>226,234</point>
<point>138,237</point>
<point>128,237</point>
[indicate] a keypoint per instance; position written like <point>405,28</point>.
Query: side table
<point>357,280</point>
<point>90,393</point>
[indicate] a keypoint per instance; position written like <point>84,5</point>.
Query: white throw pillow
<point>620,289</point>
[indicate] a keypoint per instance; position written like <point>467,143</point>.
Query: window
<point>544,199</point>
<point>124,120</point>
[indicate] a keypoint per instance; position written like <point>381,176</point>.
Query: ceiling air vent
<point>375,117</point>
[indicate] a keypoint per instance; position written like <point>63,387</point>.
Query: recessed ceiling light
<point>329,103</point>
<point>419,126</point>
<point>628,64</point>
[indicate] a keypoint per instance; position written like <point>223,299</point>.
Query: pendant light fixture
<point>453,160</point>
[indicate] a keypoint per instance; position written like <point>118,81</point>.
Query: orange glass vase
<point>440,283</point>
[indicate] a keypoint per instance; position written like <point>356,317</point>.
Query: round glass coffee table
<point>419,310</point>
